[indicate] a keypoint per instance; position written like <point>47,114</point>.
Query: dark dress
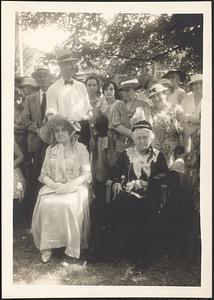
<point>133,221</point>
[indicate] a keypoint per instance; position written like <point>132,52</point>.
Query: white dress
<point>62,220</point>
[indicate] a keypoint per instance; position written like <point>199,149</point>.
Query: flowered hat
<point>47,134</point>
<point>156,88</point>
<point>195,78</point>
<point>65,55</point>
<point>130,83</point>
<point>181,74</point>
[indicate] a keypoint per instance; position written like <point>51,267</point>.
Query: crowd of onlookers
<point>99,165</point>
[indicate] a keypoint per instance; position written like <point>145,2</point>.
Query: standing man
<point>33,119</point>
<point>68,97</point>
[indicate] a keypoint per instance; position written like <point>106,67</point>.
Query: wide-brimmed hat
<point>156,88</point>
<point>142,125</point>
<point>65,55</point>
<point>165,82</point>
<point>47,133</point>
<point>28,81</point>
<point>181,74</point>
<point>195,78</point>
<point>39,68</point>
<point>130,83</point>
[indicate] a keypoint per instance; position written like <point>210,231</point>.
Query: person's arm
<point>52,102</point>
<point>181,97</point>
<point>19,157</point>
<point>123,130</point>
<point>84,176</point>
<point>115,122</point>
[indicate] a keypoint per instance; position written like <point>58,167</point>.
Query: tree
<point>131,43</point>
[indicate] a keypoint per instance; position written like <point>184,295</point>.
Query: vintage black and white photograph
<point>106,146</point>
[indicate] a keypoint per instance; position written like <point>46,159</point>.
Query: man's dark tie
<point>43,106</point>
<point>69,82</point>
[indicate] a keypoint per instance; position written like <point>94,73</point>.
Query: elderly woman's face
<point>62,134</point>
<point>142,139</point>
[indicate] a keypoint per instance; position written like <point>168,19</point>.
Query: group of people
<point>74,141</point>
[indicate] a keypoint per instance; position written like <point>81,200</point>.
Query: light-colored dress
<point>167,127</point>
<point>189,105</point>
<point>62,220</point>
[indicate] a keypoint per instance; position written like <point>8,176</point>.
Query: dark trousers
<point>35,161</point>
<point>85,133</point>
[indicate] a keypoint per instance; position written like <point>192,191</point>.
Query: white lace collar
<point>142,162</point>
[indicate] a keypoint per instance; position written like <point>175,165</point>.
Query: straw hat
<point>195,78</point>
<point>130,83</point>
<point>65,55</point>
<point>181,74</point>
<point>47,134</point>
<point>28,81</point>
<point>39,68</point>
<point>156,88</point>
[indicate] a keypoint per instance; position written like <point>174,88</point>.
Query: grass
<point>29,269</point>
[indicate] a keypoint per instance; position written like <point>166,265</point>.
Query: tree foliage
<point>131,43</point>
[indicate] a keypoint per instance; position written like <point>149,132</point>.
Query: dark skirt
<point>85,133</point>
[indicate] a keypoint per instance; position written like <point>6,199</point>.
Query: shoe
<point>46,255</point>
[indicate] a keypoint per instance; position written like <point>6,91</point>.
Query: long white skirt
<point>62,221</point>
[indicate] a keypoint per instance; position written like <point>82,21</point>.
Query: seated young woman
<point>137,177</point>
<point>61,214</point>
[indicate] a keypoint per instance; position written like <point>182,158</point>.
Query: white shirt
<point>68,100</point>
<point>189,105</point>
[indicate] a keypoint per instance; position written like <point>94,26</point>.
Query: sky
<point>45,38</point>
<point>51,36</point>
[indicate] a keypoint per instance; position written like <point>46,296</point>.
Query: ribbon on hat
<point>142,126</point>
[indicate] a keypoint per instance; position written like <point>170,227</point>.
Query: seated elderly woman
<point>137,177</point>
<point>61,214</point>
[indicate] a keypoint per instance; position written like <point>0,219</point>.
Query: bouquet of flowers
<point>138,188</point>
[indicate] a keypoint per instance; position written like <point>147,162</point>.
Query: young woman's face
<point>159,100</point>
<point>61,133</point>
<point>109,92</point>
<point>174,78</point>
<point>128,94</point>
<point>92,87</point>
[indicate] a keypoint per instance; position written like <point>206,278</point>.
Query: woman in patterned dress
<point>127,112</point>
<point>111,93</point>
<point>167,123</point>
